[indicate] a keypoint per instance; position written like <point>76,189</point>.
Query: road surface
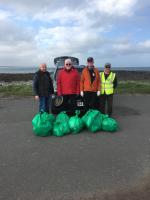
<point>75,166</point>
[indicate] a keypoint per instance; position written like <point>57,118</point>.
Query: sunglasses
<point>68,64</point>
<point>107,67</point>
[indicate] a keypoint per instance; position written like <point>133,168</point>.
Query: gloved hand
<point>82,93</point>
<point>98,93</point>
<point>53,96</point>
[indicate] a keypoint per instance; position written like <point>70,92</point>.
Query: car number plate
<point>80,103</point>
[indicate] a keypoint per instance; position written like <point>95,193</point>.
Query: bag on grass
<point>76,123</point>
<point>61,129</point>
<point>62,117</point>
<point>43,124</point>
<point>109,124</point>
<point>93,120</point>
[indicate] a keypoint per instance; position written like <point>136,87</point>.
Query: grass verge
<point>124,87</point>
<point>16,90</point>
<point>133,87</point>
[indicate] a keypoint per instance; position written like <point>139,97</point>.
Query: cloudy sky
<point>116,31</point>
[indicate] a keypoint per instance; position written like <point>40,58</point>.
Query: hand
<point>36,97</point>
<point>82,93</point>
<point>53,96</point>
<point>98,93</point>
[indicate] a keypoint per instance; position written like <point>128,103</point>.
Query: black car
<point>57,101</point>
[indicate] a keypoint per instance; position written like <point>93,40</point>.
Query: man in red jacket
<point>68,85</point>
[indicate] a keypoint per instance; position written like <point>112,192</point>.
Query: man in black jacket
<point>43,88</point>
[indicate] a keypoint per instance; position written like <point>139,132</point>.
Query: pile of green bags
<point>95,121</point>
<point>64,125</point>
<point>45,124</point>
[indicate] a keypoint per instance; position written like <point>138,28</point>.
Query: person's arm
<point>51,86</point>
<point>78,84</point>
<point>59,92</point>
<point>115,82</point>
<point>35,85</point>
<point>82,82</point>
<point>99,81</point>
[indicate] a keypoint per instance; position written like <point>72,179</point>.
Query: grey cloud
<point>46,5</point>
<point>132,49</point>
<point>10,32</point>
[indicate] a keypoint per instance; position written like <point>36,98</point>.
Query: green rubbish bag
<point>62,117</point>
<point>89,116</point>
<point>109,124</point>
<point>76,123</point>
<point>43,124</point>
<point>61,129</point>
<point>93,120</point>
<point>51,118</point>
<point>104,116</point>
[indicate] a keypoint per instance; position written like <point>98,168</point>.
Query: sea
<point>15,70</point>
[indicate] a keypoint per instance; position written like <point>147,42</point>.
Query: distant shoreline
<point>122,75</point>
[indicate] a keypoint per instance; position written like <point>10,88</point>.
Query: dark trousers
<point>44,104</point>
<point>69,103</point>
<point>90,100</point>
<point>106,99</point>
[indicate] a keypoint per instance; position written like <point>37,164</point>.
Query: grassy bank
<point>16,90</point>
<point>124,87</point>
<point>133,87</point>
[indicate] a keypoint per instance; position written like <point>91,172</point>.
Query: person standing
<point>68,85</point>
<point>43,88</point>
<point>90,85</point>
<point>108,84</point>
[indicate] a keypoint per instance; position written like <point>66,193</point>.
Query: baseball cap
<point>107,65</point>
<point>90,59</point>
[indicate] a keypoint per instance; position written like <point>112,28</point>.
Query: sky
<point>115,31</point>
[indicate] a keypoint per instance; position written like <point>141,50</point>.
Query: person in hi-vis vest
<point>108,84</point>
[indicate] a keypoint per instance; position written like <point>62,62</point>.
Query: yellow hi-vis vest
<point>107,85</point>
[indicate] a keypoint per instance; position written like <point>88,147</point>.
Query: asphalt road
<point>75,166</point>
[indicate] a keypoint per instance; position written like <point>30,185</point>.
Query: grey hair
<point>68,60</point>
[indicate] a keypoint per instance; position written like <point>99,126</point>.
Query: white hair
<point>68,60</point>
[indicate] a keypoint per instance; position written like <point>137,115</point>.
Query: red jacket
<point>68,82</point>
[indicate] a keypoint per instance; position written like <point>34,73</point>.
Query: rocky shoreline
<point>122,75</point>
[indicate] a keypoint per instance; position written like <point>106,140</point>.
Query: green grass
<point>124,87</point>
<point>133,87</point>
<point>17,90</point>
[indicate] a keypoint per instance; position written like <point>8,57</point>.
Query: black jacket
<point>42,84</point>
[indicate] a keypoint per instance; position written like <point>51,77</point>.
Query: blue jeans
<point>45,104</point>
